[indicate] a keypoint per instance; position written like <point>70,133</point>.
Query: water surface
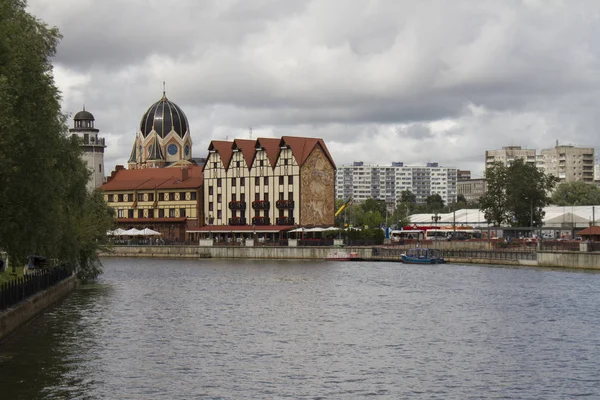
<point>232,329</point>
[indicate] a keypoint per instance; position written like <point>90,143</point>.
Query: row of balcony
<point>260,221</point>
<point>261,205</point>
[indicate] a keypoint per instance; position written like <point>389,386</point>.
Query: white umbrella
<point>297,230</point>
<point>118,232</point>
<point>149,232</point>
<point>131,232</point>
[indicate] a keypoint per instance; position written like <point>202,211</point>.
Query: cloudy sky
<point>380,81</point>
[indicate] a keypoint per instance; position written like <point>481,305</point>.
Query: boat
<point>343,256</point>
<point>421,255</point>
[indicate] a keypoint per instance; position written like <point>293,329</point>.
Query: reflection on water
<point>220,329</point>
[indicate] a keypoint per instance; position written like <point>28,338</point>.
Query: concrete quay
<point>552,259</point>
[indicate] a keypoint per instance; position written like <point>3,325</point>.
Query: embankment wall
<point>21,313</point>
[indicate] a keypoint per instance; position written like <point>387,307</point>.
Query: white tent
<point>149,232</point>
<point>118,232</point>
<point>297,230</point>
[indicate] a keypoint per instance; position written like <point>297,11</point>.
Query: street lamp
<point>435,218</point>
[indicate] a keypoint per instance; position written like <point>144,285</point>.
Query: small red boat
<point>343,256</point>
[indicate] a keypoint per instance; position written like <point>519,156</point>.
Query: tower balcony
<point>237,205</point>
<point>261,205</point>
<point>285,204</point>
<point>237,221</point>
<point>285,221</point>
<point>261,221</point>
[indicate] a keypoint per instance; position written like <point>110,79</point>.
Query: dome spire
<point>164,92</point>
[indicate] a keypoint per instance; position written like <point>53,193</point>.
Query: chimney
<point>184,173</point>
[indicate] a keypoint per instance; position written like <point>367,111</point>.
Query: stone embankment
<point>20,314</point>
<point>564,259</point>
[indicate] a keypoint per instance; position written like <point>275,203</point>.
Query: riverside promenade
<point>453,252</point>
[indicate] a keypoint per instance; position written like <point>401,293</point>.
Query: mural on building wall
<point>317,190</point>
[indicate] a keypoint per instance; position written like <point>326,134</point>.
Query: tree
<point>372,205</point>
<point>408,197</point>
<point>434,202</point>
<point>576,193</point>
<point>516,194</point>
<point>42,175</point>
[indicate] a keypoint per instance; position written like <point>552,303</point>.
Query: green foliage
<point>42,177</point>
<point>435,203</point>
<point>576,193</point>
<point>408,197</point>
<point>516,194</point>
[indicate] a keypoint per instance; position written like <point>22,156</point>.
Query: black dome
<point>164,116</point>
<point>84,115</point>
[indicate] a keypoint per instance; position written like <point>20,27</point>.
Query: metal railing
<point>19,289</point>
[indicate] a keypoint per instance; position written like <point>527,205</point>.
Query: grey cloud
<point>510,72</point>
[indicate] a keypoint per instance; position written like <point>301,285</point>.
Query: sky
<point>379,81</point>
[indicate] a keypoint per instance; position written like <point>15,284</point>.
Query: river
<point>249,329</point>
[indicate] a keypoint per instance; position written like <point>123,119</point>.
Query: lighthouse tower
<point>92,146</point>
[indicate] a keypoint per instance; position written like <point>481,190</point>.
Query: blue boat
<point>421,255</point>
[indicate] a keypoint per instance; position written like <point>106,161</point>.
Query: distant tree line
<point>45,207</point>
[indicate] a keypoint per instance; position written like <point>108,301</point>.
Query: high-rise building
<point>92,146</point>
<point>569,163</point>
<point>363,181</point>
<point>509,154</point>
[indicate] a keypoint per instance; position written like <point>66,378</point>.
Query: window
<point>150,196</point>
<point>233,197</point>
<point>210,190</point>
<point>290,195</point>
<point>129,213</point>
<point>242,181</point>
<point>219,197</point>
<point>261,163</point>
<point>182,212</point>
<point>257,181</point>
<point>237,164</point>
<point>243,197</point>
<point>121,213</point>
<point>161,213</point>
<point>182,196</point>
<point>218,182</point>
<point>140,214</point>
<point>130,197</point>
<point>266,197</point>
<point>210,206</point>
<point>281,196</point>
<point>112,198</point>
<point>290,180</point>
<point>256,213</point>
<point>281,213</point>
<point>266,182</point>
<point>99,167</point>
<point>233,182</point>
<point>171,213</point>
<point>285,162</point>
<point>120,198</point>
<point>161,197</point>
<point>215,164</point>
<point>193,196</point>
<point>219,214</point>
<point>281,180</point>
<point>140,197</point>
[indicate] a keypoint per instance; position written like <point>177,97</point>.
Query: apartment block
<point>363,181</point>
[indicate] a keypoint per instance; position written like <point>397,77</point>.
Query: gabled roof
<point>155,178</point>
<point>302,147</point>
<point>247,147</point>
<point>271,146</point>
<point>224,149</point>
